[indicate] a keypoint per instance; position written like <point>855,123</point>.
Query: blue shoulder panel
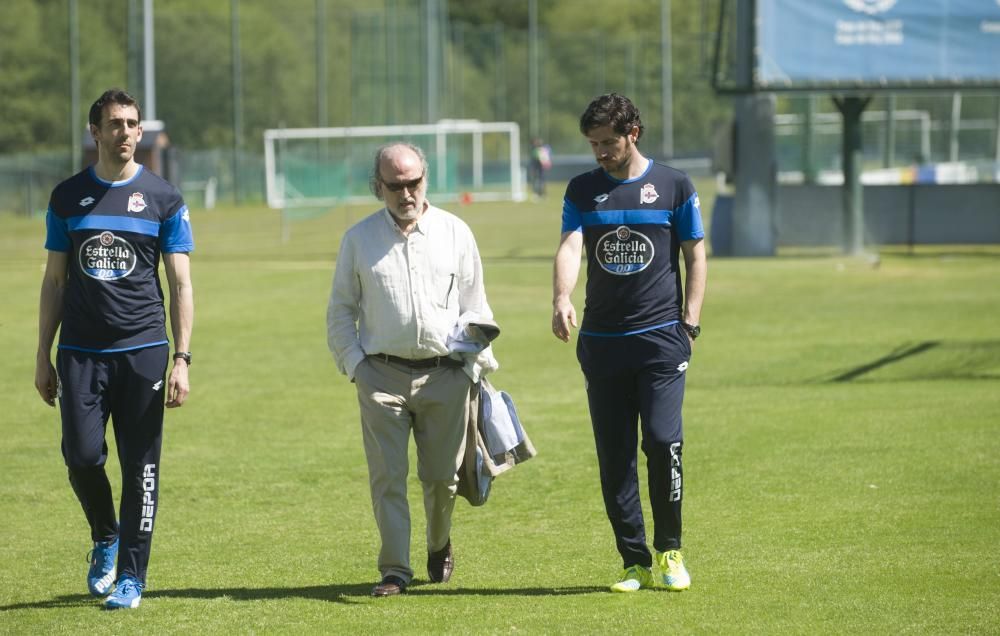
<point>687,220</point>
<point>571,217</point>
<point>176,235</point>
<point>56,234</point>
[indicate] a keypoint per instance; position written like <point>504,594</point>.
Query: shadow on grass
<point>59,602</point>
<point>899,354</point>
<point>344,593</point>
<point>929,360</point>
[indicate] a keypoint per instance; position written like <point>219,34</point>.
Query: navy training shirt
<point>114,233</point>
<point>632,231</point>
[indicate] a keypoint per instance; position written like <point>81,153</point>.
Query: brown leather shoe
<point>440,564</point>
<point>389,586</point>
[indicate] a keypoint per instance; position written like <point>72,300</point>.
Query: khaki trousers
<point>433,403</point>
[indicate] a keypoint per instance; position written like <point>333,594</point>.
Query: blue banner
<point>890,43</point>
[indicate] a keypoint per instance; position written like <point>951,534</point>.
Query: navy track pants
<point>633,381</point>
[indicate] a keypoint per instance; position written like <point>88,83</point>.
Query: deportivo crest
<point>107,257</point>
<point>624,252</point>
<point>871,7</point>
<point>136,203</point>
<point>648,193</point>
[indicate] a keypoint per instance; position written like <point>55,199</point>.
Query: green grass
<point>842,455</point>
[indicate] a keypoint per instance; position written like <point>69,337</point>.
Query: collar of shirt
<point>419,226</point>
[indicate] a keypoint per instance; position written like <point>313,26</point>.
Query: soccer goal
<point>467,159</point>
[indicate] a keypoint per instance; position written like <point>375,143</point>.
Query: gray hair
<point>375,179</point>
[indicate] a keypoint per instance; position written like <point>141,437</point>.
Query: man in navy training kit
<point>107,227</point>
<point>635,217</point>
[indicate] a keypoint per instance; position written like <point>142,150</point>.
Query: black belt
<point>423,363</point>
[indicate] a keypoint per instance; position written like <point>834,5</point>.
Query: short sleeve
<point>175,232</point>
<point>572,220</point>
<point>56,233</point>
<point>687,218</point>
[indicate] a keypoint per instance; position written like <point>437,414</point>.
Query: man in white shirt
<point>404,276</point>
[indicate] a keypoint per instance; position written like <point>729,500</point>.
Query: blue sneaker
<point>127,594</point>
<point>102,567</point>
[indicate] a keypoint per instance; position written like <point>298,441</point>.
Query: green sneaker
<point>674,575</point>
<point>633,579</point>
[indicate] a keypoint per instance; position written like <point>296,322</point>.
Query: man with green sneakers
<point>636,217</point>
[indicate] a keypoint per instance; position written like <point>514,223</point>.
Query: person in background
<point>538,165</point>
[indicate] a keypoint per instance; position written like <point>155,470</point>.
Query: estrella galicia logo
<point>871,7</point>
<point>624,252</point>
<point>107,257</point>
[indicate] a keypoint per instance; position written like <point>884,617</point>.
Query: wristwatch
<point>184,355</point>
<point>693,330</point>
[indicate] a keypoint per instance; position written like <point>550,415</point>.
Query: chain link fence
<point>227,71</point>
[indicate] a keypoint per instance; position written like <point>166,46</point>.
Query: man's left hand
<point>178,386</point>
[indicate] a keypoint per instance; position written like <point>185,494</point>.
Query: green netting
<point>335,169</point>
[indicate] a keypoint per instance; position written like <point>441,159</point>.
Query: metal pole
<point>149,61</point>
<point>666,80</point>
<point>391,69</point>
<point>890,132</point>
<point>237,96</point>
<point>433,60</point>
<point>321,107</point>
<point>854,215</point>
<point>477,160</point>
<point>533,67</point>
<point>457,81</point>
<point>630,86</point>
<point>956,124</point>
<point>996,144</point>
<point>132,72</point>
<point>500,82</point>
<point>808,165</point>
<point>76,144</point>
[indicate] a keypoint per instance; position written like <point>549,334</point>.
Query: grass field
<point>842,455</point>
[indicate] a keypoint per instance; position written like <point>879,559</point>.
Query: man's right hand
<point>46,381</point>
<point>563,317</point>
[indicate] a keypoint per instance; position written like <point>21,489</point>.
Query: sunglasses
<point>409,185</point>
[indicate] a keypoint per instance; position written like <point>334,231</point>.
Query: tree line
<point>347,62</point>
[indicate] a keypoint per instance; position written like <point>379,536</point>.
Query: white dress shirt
<point>401,294</point>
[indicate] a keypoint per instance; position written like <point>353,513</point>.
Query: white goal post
<point>468,159</point>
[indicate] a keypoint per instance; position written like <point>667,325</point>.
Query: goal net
<point>467,159</point>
